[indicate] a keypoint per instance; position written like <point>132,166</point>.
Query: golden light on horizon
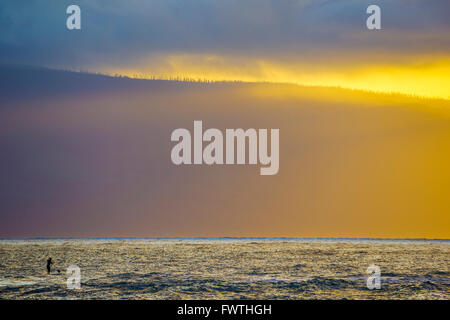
<point>425,77</point>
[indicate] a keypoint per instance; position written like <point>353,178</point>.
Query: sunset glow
<point>87,148</point>
<point>423,77</point>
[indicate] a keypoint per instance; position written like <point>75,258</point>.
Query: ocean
<point>225,268</point>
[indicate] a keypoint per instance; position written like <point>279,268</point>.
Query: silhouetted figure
<point>49,265</point>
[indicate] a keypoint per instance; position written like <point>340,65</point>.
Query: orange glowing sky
<point>427,76</point>
<point>94,161</point>
<point>319,43</point>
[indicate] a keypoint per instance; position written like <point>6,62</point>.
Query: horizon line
<point>222,238</point>
<point>208,81</point>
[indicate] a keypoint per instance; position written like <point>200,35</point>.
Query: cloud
<point>119,32</point>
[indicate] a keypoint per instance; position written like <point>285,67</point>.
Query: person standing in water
<point>49,265</point>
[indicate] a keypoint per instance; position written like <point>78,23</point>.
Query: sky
<point>90,156</point>
<point>295,41</point>
<point>86,155</point>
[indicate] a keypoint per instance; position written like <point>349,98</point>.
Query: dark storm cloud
<point>118,31</point>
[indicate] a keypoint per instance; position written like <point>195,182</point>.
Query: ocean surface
<point>225,268</point>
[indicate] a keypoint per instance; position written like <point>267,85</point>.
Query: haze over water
<point>225,268</point>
